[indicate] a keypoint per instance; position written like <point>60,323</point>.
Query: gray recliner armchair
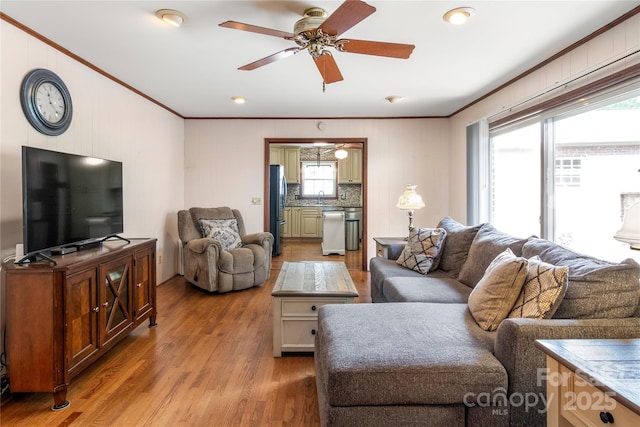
<point>218,255</point>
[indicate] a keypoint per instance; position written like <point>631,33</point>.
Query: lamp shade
<point>630,230</point>
<point>410,200</point>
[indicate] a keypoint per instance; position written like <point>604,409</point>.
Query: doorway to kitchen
<point>328,175</point>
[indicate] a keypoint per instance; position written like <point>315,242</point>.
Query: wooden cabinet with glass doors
<point>63,317</point>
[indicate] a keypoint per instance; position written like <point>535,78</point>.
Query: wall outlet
<point>159,258</point>
<point>256,200</point>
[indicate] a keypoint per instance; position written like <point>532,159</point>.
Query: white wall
<point>109,121</point>
<point>615,43</point>
<point>224,165</point>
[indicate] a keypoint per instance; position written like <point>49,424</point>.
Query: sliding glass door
<point>515,180</point>
<point>569,175</point>
<point>597,174</point>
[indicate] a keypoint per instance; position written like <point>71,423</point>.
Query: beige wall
<point>224,165</point>
<point>109,121</point>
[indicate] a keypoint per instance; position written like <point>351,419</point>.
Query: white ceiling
<point>193,69</point>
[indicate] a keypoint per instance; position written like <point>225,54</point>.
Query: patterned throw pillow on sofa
<point>423,249</point>
<point>226,231</point>
<point>490,302</point>
<point>542,291</point>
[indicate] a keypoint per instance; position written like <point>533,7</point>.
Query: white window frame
<point>482,168</point>
<point>331,191</point>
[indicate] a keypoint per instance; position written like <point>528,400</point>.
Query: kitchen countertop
<point>323,206</point>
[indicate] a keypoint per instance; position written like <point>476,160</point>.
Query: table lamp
<point>410,201</point>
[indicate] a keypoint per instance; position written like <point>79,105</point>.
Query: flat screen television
<point>68,201</point>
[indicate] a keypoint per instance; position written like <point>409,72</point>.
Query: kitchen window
<point>318,179</point>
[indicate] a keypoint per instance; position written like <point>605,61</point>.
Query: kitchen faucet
<point>320,193</point>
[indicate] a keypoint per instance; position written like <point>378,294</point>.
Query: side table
<point>591,382</point>
<point>389,247</point>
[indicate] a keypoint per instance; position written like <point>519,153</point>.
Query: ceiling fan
<point>339,149</point>
<point>315,32</point>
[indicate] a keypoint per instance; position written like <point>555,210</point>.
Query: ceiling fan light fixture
<point>171,17</point>
<point>312,19</point>
<point>459,15</point>
<point>239,99</point>
<point>341,154</point>
<point>393,99</point>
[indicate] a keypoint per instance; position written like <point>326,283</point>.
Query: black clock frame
<point>28,89</point>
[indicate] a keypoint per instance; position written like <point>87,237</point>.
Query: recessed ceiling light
<point>458,16</point>
<point>172,17</point>
<point>239,99</point>
<point>393,98</point>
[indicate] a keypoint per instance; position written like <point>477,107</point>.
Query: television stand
<point>115,236</point>
<point>61,319</point>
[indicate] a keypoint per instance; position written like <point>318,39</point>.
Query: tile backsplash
<point>352,194</point>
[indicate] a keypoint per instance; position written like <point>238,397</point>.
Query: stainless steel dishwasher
<point>354,213</point>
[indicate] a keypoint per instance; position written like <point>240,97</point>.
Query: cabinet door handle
<point>138,285</point>
<point>106,304</point>
<point>313,308</point>
<point>313,332</point>
<point>606,417</point>
<point>96,309</point>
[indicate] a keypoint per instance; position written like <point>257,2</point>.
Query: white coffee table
<point>301,288</point>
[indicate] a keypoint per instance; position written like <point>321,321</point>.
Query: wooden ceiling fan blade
<point>346,16</point>
<point>256,29</point>
<point>271,58</point>
<point>328,68</point>
<point>367,47</point>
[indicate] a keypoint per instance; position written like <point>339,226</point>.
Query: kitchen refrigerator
<point>277,202</point>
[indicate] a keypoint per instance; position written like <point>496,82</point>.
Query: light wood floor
<point>208,363</point>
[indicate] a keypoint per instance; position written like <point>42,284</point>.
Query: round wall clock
<point>46,102</point>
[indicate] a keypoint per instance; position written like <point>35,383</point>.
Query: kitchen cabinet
<point>292,164</point>
<point>310,222</point>
<point>289,156</point>
<point>61,318</point>
<point>350,168</point>
<point>292,222</point>
<point>276,155</point>
<point>302,222</point>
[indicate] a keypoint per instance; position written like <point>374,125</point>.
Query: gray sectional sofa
<point>421,358</point>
